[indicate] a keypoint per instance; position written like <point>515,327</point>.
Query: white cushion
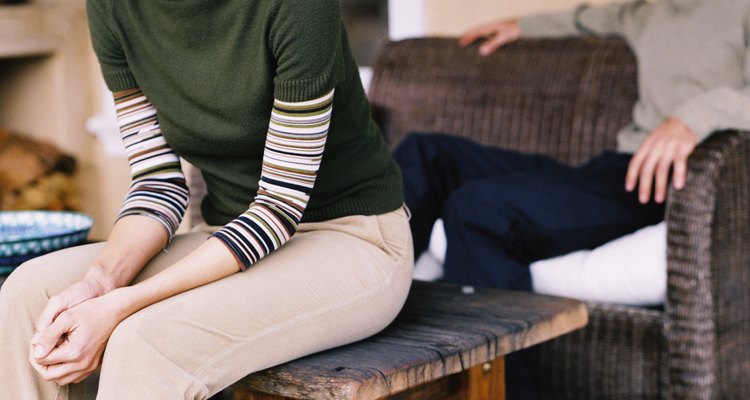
<point>630,270</point>
<point>429,265</point>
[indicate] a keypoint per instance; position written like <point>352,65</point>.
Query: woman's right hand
<point>94,284</point>
<point>495,34</point>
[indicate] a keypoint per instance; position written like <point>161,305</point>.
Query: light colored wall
<point>452,17</point>
<point>49,88</point>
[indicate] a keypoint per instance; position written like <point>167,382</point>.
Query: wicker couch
<point>567,98</point>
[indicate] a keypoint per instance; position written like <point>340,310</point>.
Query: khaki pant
<point>333,283</point>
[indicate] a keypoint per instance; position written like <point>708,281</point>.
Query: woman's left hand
<point>71,348</point>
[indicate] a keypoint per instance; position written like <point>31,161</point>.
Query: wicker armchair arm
<point>708,298</point>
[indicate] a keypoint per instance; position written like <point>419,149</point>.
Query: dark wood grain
<point>440,332</point>
<point>481,382</point>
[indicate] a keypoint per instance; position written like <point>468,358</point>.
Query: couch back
<point>565,98</point>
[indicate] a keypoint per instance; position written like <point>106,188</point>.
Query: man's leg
<point>435,165</point>
<point>496,227</point>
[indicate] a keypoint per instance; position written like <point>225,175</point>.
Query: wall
<point>49,84</point>
<point>451,17</point>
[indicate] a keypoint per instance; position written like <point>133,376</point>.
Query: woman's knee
<point>26,280</point>
<point>23,296</point>
<point>55,271</point>
<point>143,360</point>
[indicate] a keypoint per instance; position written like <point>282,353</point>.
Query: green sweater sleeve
<point>107,47</point>
<point>306,41</point>
<point>618,19</point>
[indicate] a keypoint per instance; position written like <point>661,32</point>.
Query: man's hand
<point>668,146</point>
<point>495,34</point>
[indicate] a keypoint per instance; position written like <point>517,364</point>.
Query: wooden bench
<point>447,343</point>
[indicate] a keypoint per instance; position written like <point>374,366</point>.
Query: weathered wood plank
<point>481,382</point>
<point>441,331</point>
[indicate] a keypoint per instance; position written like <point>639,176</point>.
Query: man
<point>503,210</point>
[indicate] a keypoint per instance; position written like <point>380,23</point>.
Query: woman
<point>263,97</point>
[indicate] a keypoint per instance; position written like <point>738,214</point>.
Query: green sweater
<point>693,59</point>
<point>212,69</point>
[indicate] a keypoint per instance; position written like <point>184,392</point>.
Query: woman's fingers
<point>68,298</point>
<point>53,308</point>
<point>44,342</point>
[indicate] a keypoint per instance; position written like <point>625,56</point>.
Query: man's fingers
<point>634,167</point>
<point>662,173</point>
<point>492,44</point>
<point>474,35</point>
<point>646,177</point>
<point>679,173</point>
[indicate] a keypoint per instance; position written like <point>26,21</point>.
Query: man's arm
<point>692,121</point>
<point>620,19</point>
<point>585,20</point>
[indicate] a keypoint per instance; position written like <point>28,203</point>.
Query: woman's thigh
<point>333,283</point>
<point>27,291</point>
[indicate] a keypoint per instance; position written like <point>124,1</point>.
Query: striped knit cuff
<point>294,148</point>
<point>159,189</point>
<point>298,91</point>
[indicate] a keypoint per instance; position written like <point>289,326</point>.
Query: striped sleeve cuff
<point>294,149</point>
<point>159,189</point>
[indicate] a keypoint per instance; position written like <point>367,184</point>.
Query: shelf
<point>27,46</point>
<point>23,32</point>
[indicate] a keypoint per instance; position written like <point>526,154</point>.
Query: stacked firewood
<point>35,175</point>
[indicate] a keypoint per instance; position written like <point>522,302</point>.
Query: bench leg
<point>486,381</point>
<point>482,382</point>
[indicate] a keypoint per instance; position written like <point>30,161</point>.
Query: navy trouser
<point>503,209</point>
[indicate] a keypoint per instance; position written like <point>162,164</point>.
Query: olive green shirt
<point>212,69</point>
